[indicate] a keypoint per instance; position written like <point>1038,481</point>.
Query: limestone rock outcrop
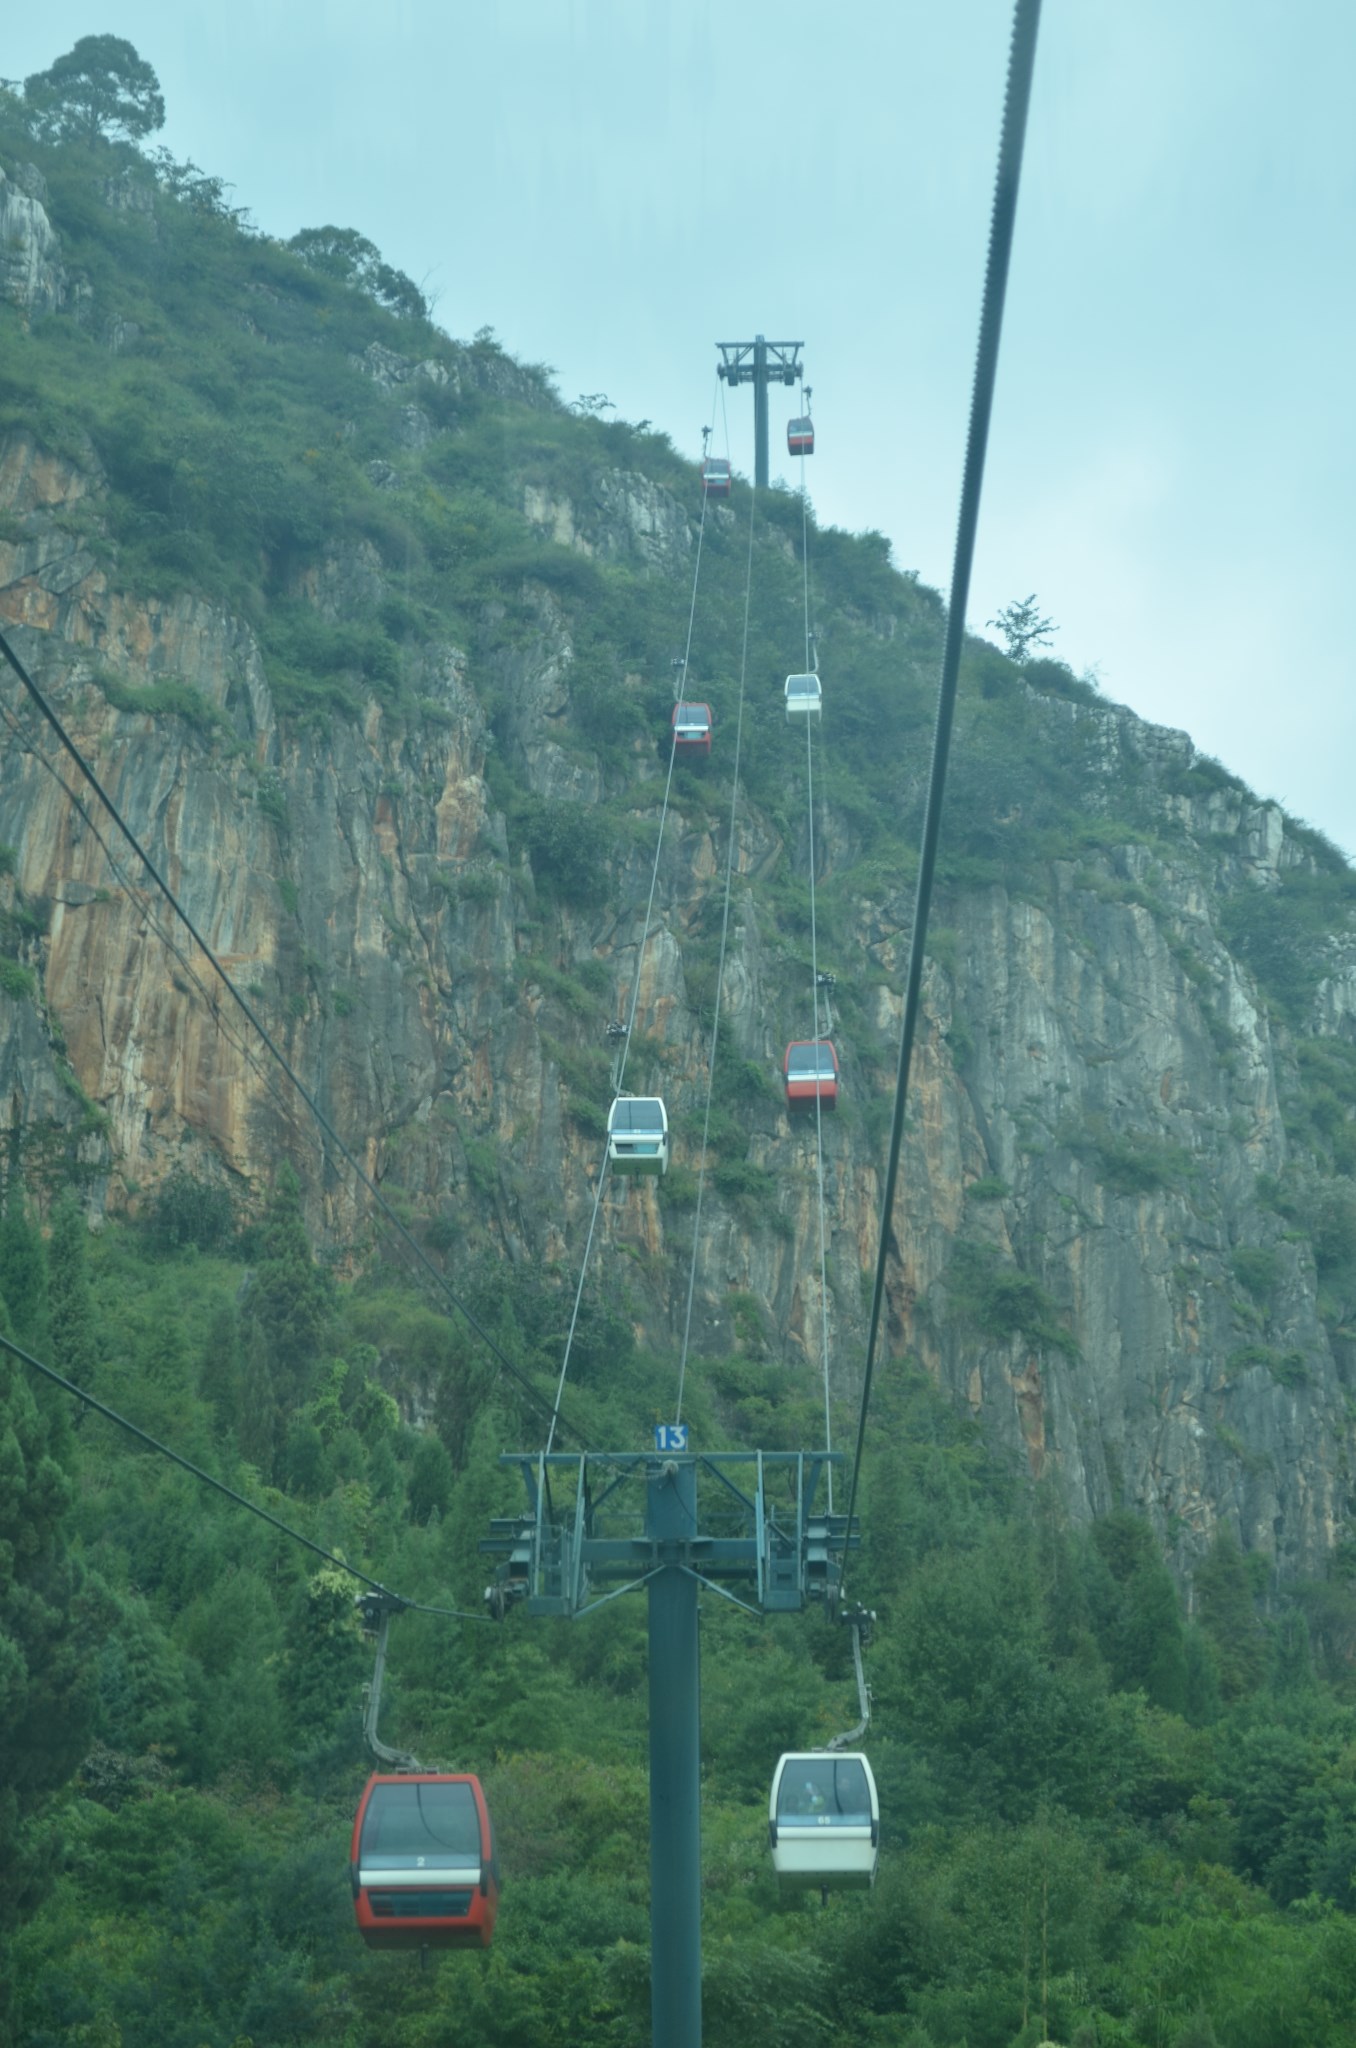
<point>32,274</point>
<point>1097,1095</point>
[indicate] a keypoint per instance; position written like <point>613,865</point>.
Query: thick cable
<point>812,664</point>
<point>640,964</point>
<point>668,786</point>
<point>819,1110</point>
<point>720,965</point>
<point>326,1126</point>
<point>578,1297</point>
<point>1021,62</point>
<point>241,1500</point>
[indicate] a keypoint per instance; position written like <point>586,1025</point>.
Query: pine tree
<point>1227,1615</point>
<point>288,1319</point>
<point>23,1279</point>
<point>1143,1638</point>
<point>74,1350</point>
<point>219,1368</point>
<point>51,1623</point>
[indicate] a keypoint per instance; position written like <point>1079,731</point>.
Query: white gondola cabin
<point>804,697</point>
<point>824,1821</point>
<point>800,436</point>
<point>692,725</point>
<point>716,477</point>
<point>638,1135</point>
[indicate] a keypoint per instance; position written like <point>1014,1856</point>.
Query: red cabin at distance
<point>423,1865</point>
<point>716,477</point>
<point>692,726</point>
<point>811,1071</point>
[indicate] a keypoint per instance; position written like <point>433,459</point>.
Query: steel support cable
<point>664,812</point>
<point>241,1500</point>
<point>252,1018</point>
<point>578,1297</point>
<point>812,664</point>
<point>640,963</point>
<point>819,1109</point>
<point>1021,61</point>
<point>720,965</point>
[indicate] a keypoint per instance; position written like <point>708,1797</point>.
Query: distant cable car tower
<point>760,363</point>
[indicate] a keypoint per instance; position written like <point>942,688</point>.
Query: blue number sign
<point>670,1436</point>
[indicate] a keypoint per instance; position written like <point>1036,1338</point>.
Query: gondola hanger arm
<point>378,1609</point>
<point>859,1619</point>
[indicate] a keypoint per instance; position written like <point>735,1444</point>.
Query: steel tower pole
<point>555,1556</point>
<point>760,453</point>
<point>675,1768</point>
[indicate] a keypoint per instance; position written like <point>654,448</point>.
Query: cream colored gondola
<point>824,1821</point>
<point>638,1135</point>
<point>804,697</point>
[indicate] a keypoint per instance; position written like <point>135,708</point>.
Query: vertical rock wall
<point>1099,1071</point>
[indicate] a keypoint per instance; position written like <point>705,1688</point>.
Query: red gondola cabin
<point>692,725</point>
<point>800,436</point>
<point>423,1865</point>
<point>811,1070</point>
<point>716,477</point>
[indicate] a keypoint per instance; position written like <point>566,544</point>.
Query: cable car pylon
<point>760,363</point>
<point>581,1532</point>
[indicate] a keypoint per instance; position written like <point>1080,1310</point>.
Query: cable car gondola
<point>824,1821</point>
<point>692,726</point>
<point>800,436</point>
<point>803,697</point>
<point>811,1072</point>
<point>638,1135</point>
<point>716,478</point>
<point>423,1865</point>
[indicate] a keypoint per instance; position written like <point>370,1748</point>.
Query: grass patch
<point>16,980</point>
<point>169,698</point>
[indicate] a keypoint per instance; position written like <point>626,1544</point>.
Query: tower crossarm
<point>760,1525</point>
<point>740,361</point>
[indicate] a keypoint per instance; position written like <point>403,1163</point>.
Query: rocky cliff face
<point>1096,1091</point>
<point>32,275</point>
<point>1089,1251</point>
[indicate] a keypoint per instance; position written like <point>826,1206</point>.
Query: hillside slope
<point>372,639</point>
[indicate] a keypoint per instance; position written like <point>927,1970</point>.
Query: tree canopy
<point>1023,628</point>
<point>102,88</point>
<point>349,258</point>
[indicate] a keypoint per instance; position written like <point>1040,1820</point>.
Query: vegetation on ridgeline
<point>1106,1824</point>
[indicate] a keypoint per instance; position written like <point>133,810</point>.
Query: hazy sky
<point>613,185</point>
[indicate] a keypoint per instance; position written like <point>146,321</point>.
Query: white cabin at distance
<point>804,697</point>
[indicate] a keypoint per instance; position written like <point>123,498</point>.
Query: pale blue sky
<point>613,185</point>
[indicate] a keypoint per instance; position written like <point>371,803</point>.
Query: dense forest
<point>1120,1805</point>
